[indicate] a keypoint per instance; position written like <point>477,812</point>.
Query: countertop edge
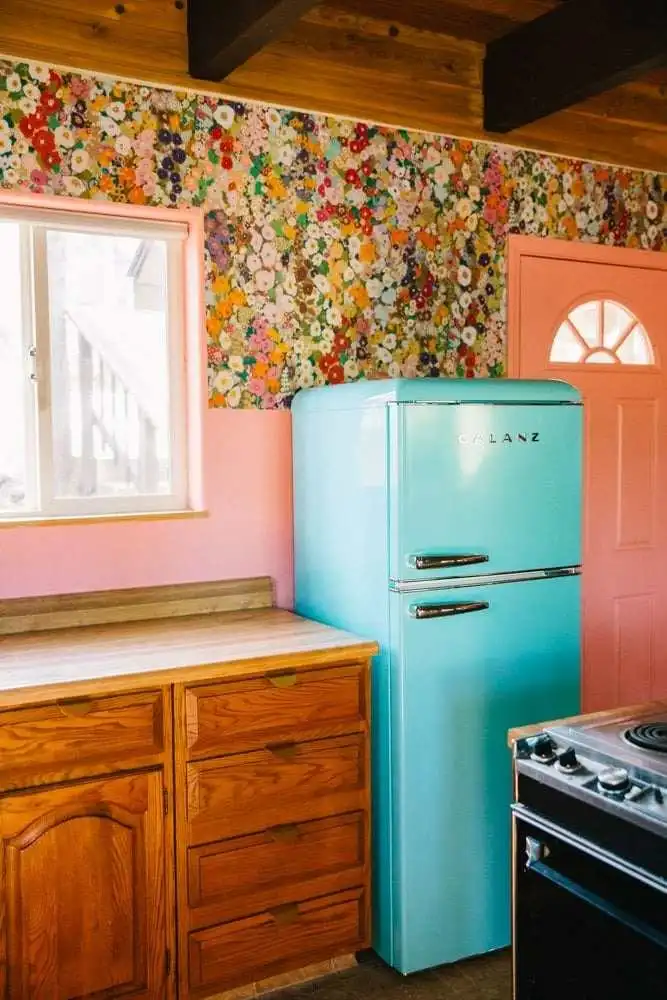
<point>585,718</point>
<point>326,646</point>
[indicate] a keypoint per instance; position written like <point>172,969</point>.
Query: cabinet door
<point>82,891</point>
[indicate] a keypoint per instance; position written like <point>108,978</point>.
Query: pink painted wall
<point>248,532</point>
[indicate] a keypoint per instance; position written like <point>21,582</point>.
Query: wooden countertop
<point>520,732</point>
<point>92,659</point>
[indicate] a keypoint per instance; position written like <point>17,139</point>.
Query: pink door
<point>597,318</point>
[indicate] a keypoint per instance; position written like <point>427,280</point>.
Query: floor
<point>487,978</point>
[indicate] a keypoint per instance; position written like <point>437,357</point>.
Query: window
<point>92,365</point>
<point>601,332</point>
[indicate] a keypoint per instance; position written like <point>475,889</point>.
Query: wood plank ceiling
<point>413,63</point>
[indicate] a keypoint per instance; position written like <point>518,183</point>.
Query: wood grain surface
<point>254,799</point>
<point>81,737</point>
<point>103,607</point>
<point>82,897</point>
<point>288,783</point>
<point>68,663</point>
<point>281,706</point>
<point>271,942</point>
<point>295,861</point>
<point>416,65</point>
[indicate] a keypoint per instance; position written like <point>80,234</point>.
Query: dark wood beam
<point>223,34</point>
<point>575,51</point>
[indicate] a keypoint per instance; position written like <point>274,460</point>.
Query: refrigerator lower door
<point>465,666</point>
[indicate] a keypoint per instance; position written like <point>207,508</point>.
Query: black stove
<point>590,859</point>
<point>618,765</point>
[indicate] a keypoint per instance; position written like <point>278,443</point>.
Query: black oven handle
<point>592,899</point>
<point>580,844</point>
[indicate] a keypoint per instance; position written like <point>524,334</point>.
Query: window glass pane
<point>586,319</point>
<point>566,346</point>
<point>601,358</point>
<point>109,365</point>
<point>636,349</point>
<point>616,321</point>
<point>17,453</point>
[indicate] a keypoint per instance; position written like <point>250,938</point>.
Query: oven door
<point>587,925</point>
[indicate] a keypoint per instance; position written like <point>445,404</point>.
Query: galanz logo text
<point>522,437</point>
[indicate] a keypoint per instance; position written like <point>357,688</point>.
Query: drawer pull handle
<point>286,751</point>
<point>284,680</point>
<point>284,915</point>
<point>75,709</point>
<point>288,833</point>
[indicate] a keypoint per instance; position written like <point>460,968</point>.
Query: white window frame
<point>43,505</point>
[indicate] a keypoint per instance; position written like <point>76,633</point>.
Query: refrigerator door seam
<point>457,582</point>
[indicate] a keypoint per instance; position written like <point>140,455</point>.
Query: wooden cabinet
<point>286,783</point>
<point>82,870</point>
<point>223,759</point>
<point>267,943</point>
<point>278,865</point>
<point>272,823</point>
<point>80,736</point>
<point>281,706</point>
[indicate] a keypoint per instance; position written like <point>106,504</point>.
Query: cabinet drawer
<point>275,941</point>
<point>79,736</point>
<point>286,863</point>
<point>285,783</point>
<point>242,715</point>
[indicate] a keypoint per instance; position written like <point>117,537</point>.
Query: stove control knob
<point>543,749</point>
<point>614,779</point>
<point>568,761</point>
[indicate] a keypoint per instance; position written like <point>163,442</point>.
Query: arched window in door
<point>601,331</point>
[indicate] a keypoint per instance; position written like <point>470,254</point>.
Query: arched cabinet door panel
<point>82,909</point>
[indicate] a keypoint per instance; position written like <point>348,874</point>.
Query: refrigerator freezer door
<point>460,678</point>
<point>484,489</point>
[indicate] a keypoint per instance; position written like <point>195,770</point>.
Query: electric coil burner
<point>649,736</point>
<point>590,861</point>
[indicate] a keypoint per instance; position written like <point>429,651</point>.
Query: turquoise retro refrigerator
<point>442,518</point>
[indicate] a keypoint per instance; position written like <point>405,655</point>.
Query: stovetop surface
<point>614,738</point>
<point>598,763</point>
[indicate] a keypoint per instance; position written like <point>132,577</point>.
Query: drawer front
<point>77,736</point>
<point>288,783</point>
<point>286,863</point>
<point>242,715</point>
<point>244,951</point>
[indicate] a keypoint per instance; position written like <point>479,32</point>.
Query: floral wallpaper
<point>334,250</point>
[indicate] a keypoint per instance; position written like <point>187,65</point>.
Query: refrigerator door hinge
<point>165,801</point>
<point>167,963</point>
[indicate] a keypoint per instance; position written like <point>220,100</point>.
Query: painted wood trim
<point>36,614</point>
<point>520,247</point>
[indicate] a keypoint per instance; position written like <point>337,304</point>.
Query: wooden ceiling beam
<point>223,35</point>
<point>575,51</point>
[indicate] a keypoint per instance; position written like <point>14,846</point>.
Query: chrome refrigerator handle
<point>444,561</point>
<point>447,610</point>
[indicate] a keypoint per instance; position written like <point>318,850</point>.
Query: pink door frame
<point>571,250</point>
<point>601,687</point>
